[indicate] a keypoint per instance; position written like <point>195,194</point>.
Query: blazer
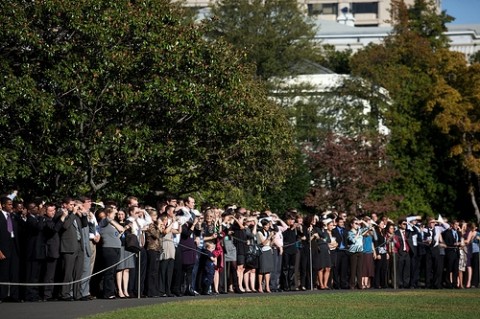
<point>449,240</point>
<point>341,238</point>
<point>35,239</point>
<point>52,239</point>
<point>86,240</point>
<point>5,236</point>
<point>408,239</point>
<point>68,233</point>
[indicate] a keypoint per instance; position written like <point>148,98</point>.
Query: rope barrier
<point>197,249</point>
<point>64,283</point>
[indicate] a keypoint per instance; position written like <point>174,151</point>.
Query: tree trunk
<point>471,191</point>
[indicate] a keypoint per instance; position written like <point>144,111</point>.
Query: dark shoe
<point>86,298</point>
<point>67,299</point>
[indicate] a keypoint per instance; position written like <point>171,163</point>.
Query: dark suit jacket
<point>68,233</point>
<point>52,239</point>
<point>5,236</point>
<point>341,238</point>
<point>35,238</point>
<point>408,239</point>
<point>449,240</point>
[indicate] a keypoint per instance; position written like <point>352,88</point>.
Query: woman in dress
<point>127,258</point>
<point>332,246</point>
<point>325,262</point>
<point>240,242</point>
<point>167,258</point>
<point>211,233</point>
<point>110,231</point>
<point>381,262</point>
<point>475,252</point>
<point>469,239</point>
<point>264,239</point>
<point>252,261</point>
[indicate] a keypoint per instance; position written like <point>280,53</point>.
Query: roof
<point>327,28</point>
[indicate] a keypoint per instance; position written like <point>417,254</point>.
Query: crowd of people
<point>81,250</point>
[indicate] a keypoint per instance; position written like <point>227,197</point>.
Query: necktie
<point>79,236</point>
<point>434,240</point>
<point>405,245</point>
<point>340,230</point>
<point>455,235</point>
<point>9,223</point>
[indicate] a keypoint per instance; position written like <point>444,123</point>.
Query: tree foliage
<point>456,107</point>
<point>273,34</point>
<point>347,172</point>
<point>119,96</point>
<point>412,65</point>
<point>337,61</point>
<point>475,58</point>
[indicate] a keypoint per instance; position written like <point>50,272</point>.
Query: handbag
<point>131,243</point>
<point>252,256</point>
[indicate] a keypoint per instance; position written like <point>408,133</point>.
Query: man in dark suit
<point>52,249</point>
<point>452,240</point>
<point>9,249</point>
<point>71,248</point>
<point>340,272</point>
<point>35,250</point>
<point>404,247</point>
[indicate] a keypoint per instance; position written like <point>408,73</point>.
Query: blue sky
<point>464,11</point>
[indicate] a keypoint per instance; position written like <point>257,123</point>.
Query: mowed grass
<point>412,304</point>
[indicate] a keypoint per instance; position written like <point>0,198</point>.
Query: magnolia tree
<point>118,97</point>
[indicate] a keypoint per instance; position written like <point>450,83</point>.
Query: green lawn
<point>412,304</point>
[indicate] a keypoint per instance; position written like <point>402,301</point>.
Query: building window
<point>365,7</point>
<point>322,8</point>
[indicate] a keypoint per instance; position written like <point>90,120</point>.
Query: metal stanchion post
<point>394,258</point>
<point>225,274</point>
<point>311,265</point>
<point>139,286</point>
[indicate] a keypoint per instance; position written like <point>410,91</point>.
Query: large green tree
<point>273,34</point>
<point>409,65</point>
<point>120,96</point>
<point>456,108</point>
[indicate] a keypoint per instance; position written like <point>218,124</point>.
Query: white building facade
<point>362,12</point>
<point>353,24</point>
